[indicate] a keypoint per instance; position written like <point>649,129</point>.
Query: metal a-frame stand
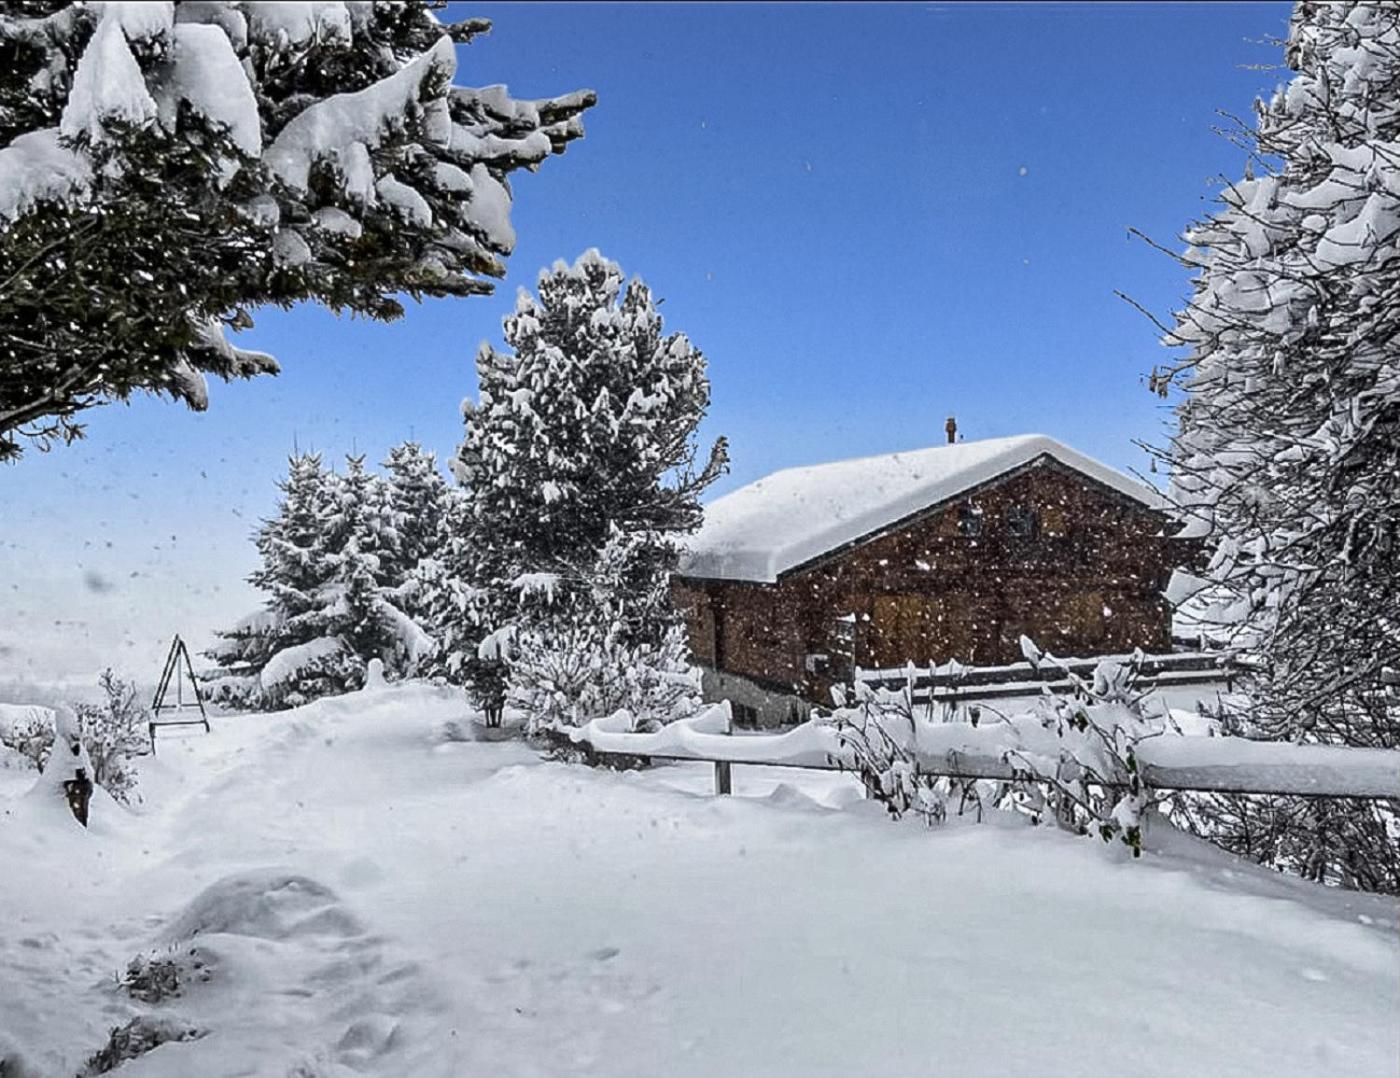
<point>178,652</point>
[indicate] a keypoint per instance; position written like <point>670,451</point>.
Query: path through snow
<point>364,898</point>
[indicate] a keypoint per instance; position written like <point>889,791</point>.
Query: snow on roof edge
<point>736,542</point>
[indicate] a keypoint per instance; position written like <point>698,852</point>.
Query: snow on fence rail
<point>953,681</point>
<point>961,750</point>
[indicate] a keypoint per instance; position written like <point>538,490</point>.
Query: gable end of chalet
<point>1044,461</point>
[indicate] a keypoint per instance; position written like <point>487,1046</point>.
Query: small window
<point>1022,522</point>
<point>970,520</point>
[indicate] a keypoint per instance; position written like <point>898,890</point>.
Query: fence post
<point>722,777</point>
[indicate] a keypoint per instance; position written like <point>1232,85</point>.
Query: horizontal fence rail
<point>990,751</point>
<point>954,681</point>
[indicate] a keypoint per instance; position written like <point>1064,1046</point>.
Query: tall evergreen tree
<point>1287,455</point>
<point>296,569</point>
<point>167,168</point>
<point>367,615</point>
<point>583,436</point>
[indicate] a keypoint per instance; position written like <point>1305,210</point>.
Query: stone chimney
<point>952,428</point>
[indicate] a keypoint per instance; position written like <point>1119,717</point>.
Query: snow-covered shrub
<point>110,734</point>
<point>31,737</point>
<point>880,734</point>
<point>1326,839</point>
<point>1072,761</point>
<point>1349,842</point>
<point>569,671</point>
<point>1093,785</point>
<point>134,1039</point>
<point>153,978</point>
<point>114,733</point>
<point>1286,456</point>
<point>300,673</point>
<point>167,168</point>
<point>605,642</point>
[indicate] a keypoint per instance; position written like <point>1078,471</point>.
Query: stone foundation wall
<point>754,704</point>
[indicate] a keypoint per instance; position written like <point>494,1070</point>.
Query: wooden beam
<point>1205,765</point>
<point>1207,666</point>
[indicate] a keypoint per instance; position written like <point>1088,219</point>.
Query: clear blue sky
<point>868,217</point>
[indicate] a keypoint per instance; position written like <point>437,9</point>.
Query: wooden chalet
<point>946,553</point>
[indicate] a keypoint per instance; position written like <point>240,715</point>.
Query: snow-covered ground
<point>363,897</point>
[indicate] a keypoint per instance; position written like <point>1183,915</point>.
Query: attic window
<point>1023,522</point>
<point>970,520</point>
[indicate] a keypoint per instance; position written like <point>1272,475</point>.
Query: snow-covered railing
<point>999,750</point>
<point>953,681</point>
<point>708,737</point>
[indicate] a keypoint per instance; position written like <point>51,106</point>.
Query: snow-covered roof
<point>784,520</point>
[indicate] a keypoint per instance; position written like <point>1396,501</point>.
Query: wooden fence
<point>988,751</point>
<point>953,682</point>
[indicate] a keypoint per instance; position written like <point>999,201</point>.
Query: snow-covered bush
<point>880,735</point>
<point>604,644</point>
<point>31,737</point>
<point>1072,761</point>
<point>154,978</point>
<point>580,472</point>
<point>1093,785</point>
<point>566,673</point>
<point>1286,459</point>
<point>1350,842</point>
<point>167,168</point>
<point>1326,839</point>
<point>134,1039</point>
<point>111,734</point>
<point>115,733</point>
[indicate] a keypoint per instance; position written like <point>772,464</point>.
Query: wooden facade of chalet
<point>1041,549</point>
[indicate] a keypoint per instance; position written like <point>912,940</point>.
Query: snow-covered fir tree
<point>1287,455</point>
<point>327,562</point>
<point>417,502</point>
<point>167,168</point>
<point>458,611</point>
<point>358,532</point>
<point>294,572</point>
<point>580,446</point>
<point>367,616</point>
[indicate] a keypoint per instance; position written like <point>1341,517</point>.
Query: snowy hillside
<point>340,891</point>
